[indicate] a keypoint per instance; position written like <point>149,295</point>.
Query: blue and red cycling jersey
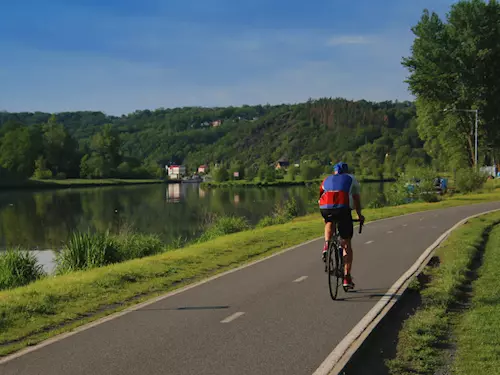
<point>336,191</point>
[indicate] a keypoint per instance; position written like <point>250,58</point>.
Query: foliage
<point>310,170</point>
<point>221,174</point>
<point>318,132</point>
<point>224,225</point>
<point>469,180</point>
<point>18,268</point>
<point>137,245</point>
<point>454,65</point>
<point>87,251</point>
<point>41,170</point>
<point>283,213</point>
<point>416,184</point>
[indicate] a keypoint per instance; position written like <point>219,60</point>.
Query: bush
<point>267,221</point>
<point>415,184</point>
<point>136,245</point>
<point>86,251</point>
<point>61,176</point>
<point>18,268</point>
<point>469,180</point>
<point>224,225</point>
<point>221,174</point>
<point>282,213</point>
<point>379,201</point>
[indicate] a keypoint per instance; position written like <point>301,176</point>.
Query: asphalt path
<point>274,317</point>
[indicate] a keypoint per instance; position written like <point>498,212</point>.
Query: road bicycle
<point>334,264</point>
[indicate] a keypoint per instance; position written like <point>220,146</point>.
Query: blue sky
<point>118,56</point>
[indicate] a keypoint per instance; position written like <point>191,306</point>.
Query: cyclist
<point>339,195</point>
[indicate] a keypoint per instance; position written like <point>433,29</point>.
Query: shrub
<point>18,268</point>
<point>86,251</point>
<point>469,180</point>
<point>282,213</point>
<point>224,225</point>
<point>136,245</point>
<point>414,184</point>
<point>379,201</point>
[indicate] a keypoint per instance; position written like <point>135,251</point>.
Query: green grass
<point>420,341</point>
<point>85,251</point>
<point>283,182</point>
<point>478,333</point>
<point>73,183</point>
<point>18,268</point>
<point>30,314</point>
<point>224,225</point>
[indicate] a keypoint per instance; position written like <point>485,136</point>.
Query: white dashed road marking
<point>232,317</point>
<point>390,231</point>
<point>369,242</point>
<point>405,225</point>
<point>302,278</point>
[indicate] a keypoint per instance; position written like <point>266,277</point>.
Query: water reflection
<point>43,220</point>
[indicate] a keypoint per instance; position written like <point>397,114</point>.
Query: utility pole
<point>475,143</point>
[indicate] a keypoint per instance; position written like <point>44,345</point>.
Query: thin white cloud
<point>348,39</point>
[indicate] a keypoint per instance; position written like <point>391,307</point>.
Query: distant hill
<point>366,134</point>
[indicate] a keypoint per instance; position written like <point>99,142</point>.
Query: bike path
<point>274,317</point>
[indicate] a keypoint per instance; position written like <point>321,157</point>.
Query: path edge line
<point>343,352</point>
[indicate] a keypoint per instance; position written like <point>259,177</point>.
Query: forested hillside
<point>373,137</point>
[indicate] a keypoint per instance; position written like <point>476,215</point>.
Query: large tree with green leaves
<point>455,65</point>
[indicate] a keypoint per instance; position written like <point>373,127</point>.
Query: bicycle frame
<point>338,264</point>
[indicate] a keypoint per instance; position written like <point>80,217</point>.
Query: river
<point>42,220</point>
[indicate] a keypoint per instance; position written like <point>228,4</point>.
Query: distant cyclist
<point>339,194</point>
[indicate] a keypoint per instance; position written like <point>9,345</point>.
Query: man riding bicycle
<point>339,194</point>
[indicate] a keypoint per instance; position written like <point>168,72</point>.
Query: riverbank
<point>58,304</point>
<point>33,184</point>
<point>255,183</point>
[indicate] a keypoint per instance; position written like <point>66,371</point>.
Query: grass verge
<point>426,333</point>
<point>478,332</point>
<point>284,182</point>
<point>35,184</point>
<point>53,305</point>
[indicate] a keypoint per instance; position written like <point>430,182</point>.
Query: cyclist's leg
<point>329,229</point>
<point>346,231</point>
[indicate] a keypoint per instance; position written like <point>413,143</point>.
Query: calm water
<point>42,220</point>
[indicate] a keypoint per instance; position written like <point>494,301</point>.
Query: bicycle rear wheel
<point>333,269</point>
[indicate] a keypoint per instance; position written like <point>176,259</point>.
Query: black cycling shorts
<point>343,218</point>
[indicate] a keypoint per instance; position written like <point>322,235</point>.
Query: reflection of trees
<point>44,219</point>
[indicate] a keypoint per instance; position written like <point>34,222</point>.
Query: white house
<point>175,172</point>
<point>203,168</point>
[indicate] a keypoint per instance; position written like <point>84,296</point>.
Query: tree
<point>17,152</point>
<point>455,64</point>
<point>310,170</point>
<point>221,174</point>
<point>291,173</point>
<point>105,154</point>
<point>261,174</point>
<point>41,170</point>
<point>59,148</point>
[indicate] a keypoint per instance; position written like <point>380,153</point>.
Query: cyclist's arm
<point>357,205</point>
<point>356,196</point>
